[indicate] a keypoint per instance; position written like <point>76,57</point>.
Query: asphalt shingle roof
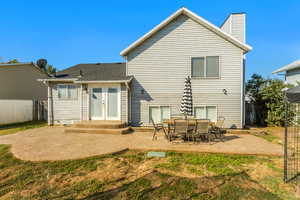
<point>95,72</point>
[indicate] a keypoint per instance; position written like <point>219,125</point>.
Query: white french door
<point>105,103</point>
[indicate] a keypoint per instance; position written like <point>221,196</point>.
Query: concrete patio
<point>52,143</point>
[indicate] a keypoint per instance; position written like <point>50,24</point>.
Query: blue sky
<point>71,32</point>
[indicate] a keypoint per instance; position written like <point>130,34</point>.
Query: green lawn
<point>13,128</point>
<point>131,175</point>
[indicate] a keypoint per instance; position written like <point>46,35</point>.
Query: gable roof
<point>93,72</point>
<point>25,63</point>
<point>293,65</point>
<point>195,17</point>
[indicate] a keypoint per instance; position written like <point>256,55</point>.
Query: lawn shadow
<point>156,185</point>
<point>231,137</point>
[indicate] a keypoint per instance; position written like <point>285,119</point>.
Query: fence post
<point>285,142</point>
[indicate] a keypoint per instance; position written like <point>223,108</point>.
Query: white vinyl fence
<point>14,111</point>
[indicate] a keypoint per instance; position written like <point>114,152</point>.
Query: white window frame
<point>68,98</point>
<point>205,106</point>
<point>205,67</point>
<point>159,106</point>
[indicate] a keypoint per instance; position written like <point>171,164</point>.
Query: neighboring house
<point>18,81</point>
<point>150,84</point>
<point>292,72</point>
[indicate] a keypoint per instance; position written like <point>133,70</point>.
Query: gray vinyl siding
<point>293,76</point>
<point>124,103</point>
<point>162,62</point>
<point>85,106</point>
<point>65,111</point>
<point>237,26</point>
<point>20,82</point>
<point>226,27</point>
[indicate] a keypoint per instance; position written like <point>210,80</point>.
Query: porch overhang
<point>106,81</point>
<point>58,80</point>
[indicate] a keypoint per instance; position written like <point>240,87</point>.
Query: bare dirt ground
<point>51,143</point>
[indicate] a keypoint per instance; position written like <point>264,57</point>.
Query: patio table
<point>192,122</point>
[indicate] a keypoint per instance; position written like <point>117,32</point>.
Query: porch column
<point>50,105</point>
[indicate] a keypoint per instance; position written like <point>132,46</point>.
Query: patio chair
<point>180,129</point>
<point>202,130</point>
<point>157,127</point>
<point>218,130</point>
<point>192,124</point>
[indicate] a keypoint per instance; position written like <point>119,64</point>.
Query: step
<point>115,131</point>
<point>100,124</point>
<point>143,129</point>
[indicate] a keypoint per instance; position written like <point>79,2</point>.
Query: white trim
<point>195,17</point>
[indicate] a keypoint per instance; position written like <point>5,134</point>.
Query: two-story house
<point>150,83</point>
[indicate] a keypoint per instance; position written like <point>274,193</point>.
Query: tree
<point>273,95</point>
<point>50,69</point>
<point>12,61</point>
<point>254,86</point>
<point>43,64</point>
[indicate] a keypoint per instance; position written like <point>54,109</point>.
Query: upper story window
<point>67,91</point>
<point>206,67</point>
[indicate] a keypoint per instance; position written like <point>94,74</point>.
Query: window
<point>206,112</point>
<point>159,113</point>
<point>66,91</point>
<point>205,67</point>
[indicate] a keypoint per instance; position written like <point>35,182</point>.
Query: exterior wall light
<point>224,91</point>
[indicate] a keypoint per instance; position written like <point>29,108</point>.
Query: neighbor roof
<point>94,72</point>
<point>293,65</point>
<point>195,17</point>
<point>24,63</point>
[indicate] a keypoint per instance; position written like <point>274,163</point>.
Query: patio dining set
<point>190,129</point>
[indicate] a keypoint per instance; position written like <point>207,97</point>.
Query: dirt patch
<point>156,185</point>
